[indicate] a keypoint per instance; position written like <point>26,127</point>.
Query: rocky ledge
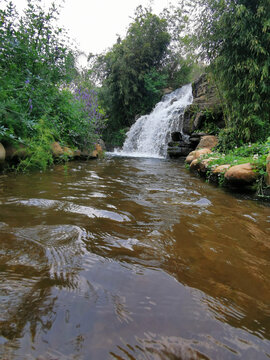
<point>205,110</point>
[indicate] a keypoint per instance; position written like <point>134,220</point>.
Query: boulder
<point>194,165</point>
<point>221,169</point>
<point>196,154</point>
<point>268,170</point>
<point>208,141</point>
<point>190,157</point>
<point>56,149</point>
<point>201,166</point>
<point>2,153</point>
<point>241,174</point>
<point>67,151</point>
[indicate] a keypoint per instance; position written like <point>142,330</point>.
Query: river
<point>127,258</point>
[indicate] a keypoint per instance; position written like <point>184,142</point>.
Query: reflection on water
<point>131,259</point>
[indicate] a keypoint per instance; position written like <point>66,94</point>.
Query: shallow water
<point>131,259</point>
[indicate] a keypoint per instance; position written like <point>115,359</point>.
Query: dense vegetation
<point>44,98</point>
<point>137,68</point>
<point>41,98</point>
<point>234,36</point>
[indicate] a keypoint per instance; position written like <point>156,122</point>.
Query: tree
<point>235,38</point>
<point>37,103</point>
<point>137,68</point>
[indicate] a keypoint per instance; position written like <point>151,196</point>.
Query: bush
<point>38,68</point>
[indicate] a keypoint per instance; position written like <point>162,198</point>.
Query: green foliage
<point>137,68</point>
<point>37,68</point>
<point>235,38</point>
<point>255,154</point>
<point>39,154</point>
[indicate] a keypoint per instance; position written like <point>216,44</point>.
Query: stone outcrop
<point>243,174</point>
<point>221,169</point>
<point>56,149</point>
<point>206,106</point>
<point>207,142</point>
<point>178,146</point>
<point>201,165</point>
<point>196,155</point>
<point>205,93</point>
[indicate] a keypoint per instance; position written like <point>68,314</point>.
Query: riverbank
<point>21,158</point>
<point>246,167</point>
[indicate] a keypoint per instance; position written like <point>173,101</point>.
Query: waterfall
<point>150,134</point>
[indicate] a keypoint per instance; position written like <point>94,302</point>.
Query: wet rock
<point>176,136</point>
<point>56,149</point>
<point>195,138</point>
<point>197,154</point>
<point>178,146</point>
<point>2,153</point>
<point>209,142</point>
<point>178,151</point>
<point>188,119</point>
<point>241,174</point>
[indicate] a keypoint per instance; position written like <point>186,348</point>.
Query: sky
<point>94,24</point>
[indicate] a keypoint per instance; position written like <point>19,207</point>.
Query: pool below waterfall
<point>131,258</point>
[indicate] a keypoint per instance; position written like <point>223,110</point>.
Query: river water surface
<point>131,259</point>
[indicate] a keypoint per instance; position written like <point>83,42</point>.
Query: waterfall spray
<point>150,134</point>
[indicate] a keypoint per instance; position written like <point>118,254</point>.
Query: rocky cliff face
<point>206,107</point>
<point>204,113</point>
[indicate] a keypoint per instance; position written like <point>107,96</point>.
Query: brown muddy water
<point>131,259</point>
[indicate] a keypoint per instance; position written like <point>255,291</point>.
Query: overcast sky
<point>95,23</point>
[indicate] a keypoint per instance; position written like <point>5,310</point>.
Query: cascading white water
<point>149,136</point>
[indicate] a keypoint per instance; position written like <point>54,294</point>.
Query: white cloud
<point>95,23</point>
